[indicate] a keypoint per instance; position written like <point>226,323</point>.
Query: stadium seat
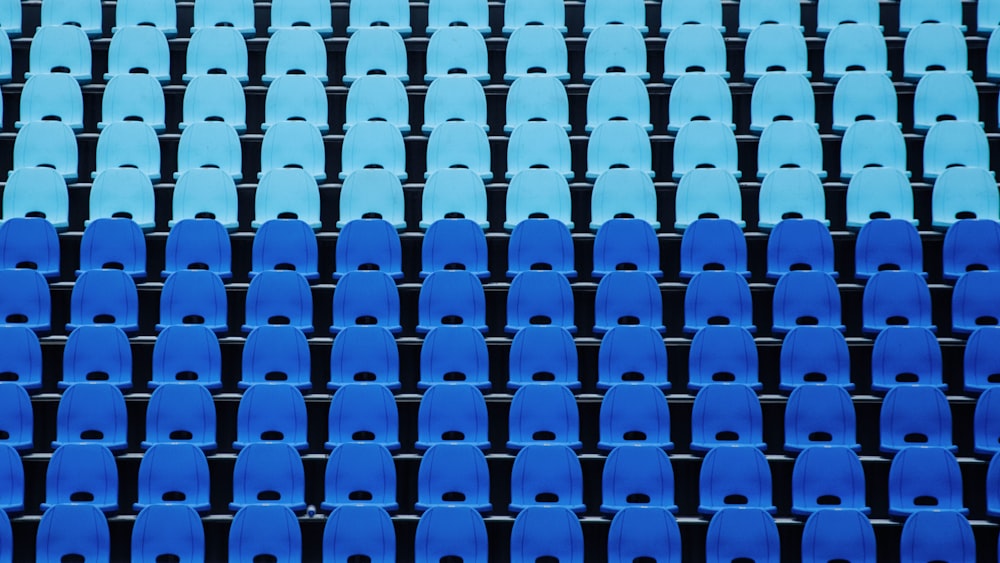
<point>722,354</point>
<point>372,194</point>
<point>373,144</point>
<point>799,244</point>
<point>678,14</point>
<point>205,193</point>
<point>452,193</point>
<point>623,193</point>
<point>451,297</point>
<point>543,354</point>
<point>285,244</point>
<point>353,530</point>
<point>726,415</point>
<point>932,47</point>
<point>279,297</point>
<point>164,531</point>
<point>718,298</point>
<point>806,298</point>
<point>734,476</point>
<point>60,47</point>
<point>943,96</point>
<point>597,13</point>
<point>454,244</point>
<point>376,50</point>
<point>626,244</point>
<point>993,486</point>
<point>820,415</point>
<point>133,97</point>
<point>955,143</point>
<point>366,298</point>
<point>11,496</point>
<point>454,354</point>
<point>634,414</point>
<point>790,193</point>
<point>293,14</point>
<point>888,244</point>
<point>276,354</point>
<point>780,96</point>
<point>268,473</point>
<point>987,17</point>
<point>830,534</point>
<point>937,535</point>
<point>30,243</point>
<point>210,144</point>
<point>217,50</point>
<point>10,18</point>
<point>455,98</point>
<point>969,244</point>
<point>615,49</point>
<point>861,96</point>
<point>915,12</point>
<point>618,144</point>
<point>25,300</point>
<point>628,298</point>
<point>879,194</point>
<point>644,532</point>
<point>896,298</point>
<point>964,193</point>
<point>123,193</point>
<point>877,144</point>
<point>973,303</point>
<point>539,297</point>
<point>370,98</point>
<point>447,13</point>
<point>92,414</point>
<point>981,360</point>
<point>828,477</point>
<point>180,413</point>
<point>755,13</point>
<point>708,194</point>
<point>298,51</point>
<point>832,13</point>
<point>293,144</point>
<point>457,50</point>
<point>72,530</point>
<point>451,531</point>
<point>20,357</point>
<point>855,48</point>
<point>453,475</point>
<point>187,354</point>
<point>536,97</point>
<point>543,414</point>
<point>637,476</point>
<point>924,478</point>
<point>632,355</point>
<point>774,47</point>
<point>459,144</point>
<point>536,145</point>
<point>815,355</point>
<point>224,13</point>
<point>7,62</point>
<point>104,297</point>
<point>297,98</point>
<point>115,244</point>
<point>194,297</point>
<point>368,244</point>
<point>536,49</point>
<point>364,354</point>
<point>985,426</point>
<point>16,420</point>
<point>271,413</point>
<point>81,474</point>
<point>790,144</point>
<point>215,97</point>
<point>611,97</point>
<point>140,49</point>
<point>47,144</point>
<point>394,14</point>
<point>705,144</point>
<point>993,57</point>
<point>452,413</point>
<point>540,244</point>
<point>287,193</point>
<point>538,193</point>
<point>264,531</point>
<point>97,353</point>
<point>546,533</point>
<point>694,47</point>
<point>533,13</point>
<point>51,97</point>
<point>174,474</point>
<point>363,413</point>
<point>698,96</point>
<point>360,474</point>
<point>546,476</point>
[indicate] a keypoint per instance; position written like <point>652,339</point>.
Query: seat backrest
<point>771,47</point>
<point>72,529</point>
<point>540,532</point>
<point>455,531</point>
<point>538,297</point>
<point>30,243</point>
<point>366,297</point>
<point>637,476</point>
<point>722,354</point>
<point>355,529</point>
<point>181,412</point>
<point>359,473</point>
<point>626,244</point>
<point>613,97</point>
<point>271,412</point>
<point>372,98</point>
<point>82,474</point>
<point>268,473</point>
<point>628,298</point>
<point>194,297</point>
<point>449,297</point>
<point>896,298</point>
<point>199,244</point>
<point>632,354</point>
<point>548,476</point>
<point>634,414</point>
<point>457,50</point>
<point>931,535</point>
<point>369,244</point>
<point>638,532</point>
<point>543,354</point>
<point>814,355</point>
<point>924,478</point>
<point>97,353</point>
<point>934,46</point>
<point>279,297</point>
<point>452,413</point>
<point>734,476</point>
<point>285,244</point>
<point>276,353</point>
<point>363,413</point>
<point>855,47</point>
<point>297,50</point>
<point>453,475</point>
<point>187,353</point>
<point>695,47</point>
<point>20,357</point>
<point>165,530</point>
<point>623,193</point>
<point>806,298</point>
<point>827,477</point>
<point>174,474</point>
<point>543,414</point>
<point>264,530</point>
<point>454,354</point>
<point>888,244</point>
<point>831,534</point>
<point>92,413</point>
<point>375,50</point>
<point>876,195</point>
<point>536,49</point>
<point>737,533</point>
<point>820,415</point>
<point>364,354</point>
<point>540,244</point>
<point>142,49</point>
<point>799,244</point>
<point>718,298</point>
<point>456,98</point>
<point>726,415</point>
<point>963,192</point>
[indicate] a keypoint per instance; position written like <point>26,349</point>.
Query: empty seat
<point>799,244</point>
<point>215,97</point>
<point>619,144</point>
<point>942,96</point>
<point>924,478</point>
<point>790,144</point>
<point>372,194</point>
<point>131,97</point>
<point>459,144</point>
<point>452,413</point>
<point>543,414</point>
<point>174,474</point>
<point>726,415</point>
<point>523,13</point>
<point>296,98</point>
<point>292,14</point>
<point>538,193</point>
<point>708,194</point>
<point>456,50</point>
<point>734,476</point>
<point>285,244</point>
<point>224,13</point>
<point>454,354</point>
<point>92,414</point>
<point>451,531</point>
<point>615,49</point>
<point>139,49</point>
<point>455,98</point>
<point>828,477</point>
<point>369,244</point>
<point>872,144</point>
<point>964,193</point>
<point>271,413</point>
<point>451,297</point>
<point>279,297</point>
<point>210,144</point>
<point>104,297</point>
<point>632,354</point>
<point>359,473</point>
<point>969,244</point>
<point>373,144</point>
<point>602,12</point>
<point>546,476</point>
<point>362,413</point>
<point>180,413</point>
<point>993,57</point>
<point>371,98</point>
<point>353,530</point>
<point>82,474</point>
<point>30,243</point>
<point>805,298</point>
<point>888,244</point>
<point>48,144</point>
<point>705,144</point>
<point>446,13</point>
<point>626,244</point>
<point>973,304</point>
<point>830,534</point>
<point>934,46</point>
<point>375,50</point>
<point>644,532</point>
<point>366,298</point>
<point>987,430</point>
<point>855,48</point>
<point>780,96</point>
<point>634,414</point>
<point>915,12</point>
<point>123,193</point>
<point>24,299</point>
<point>276,354</point>
<point>637,476</point>
<point>722,354</point>
<point>755,13</point>
<point>698,96</point>
<point>695,47</point>
<point>72,530</point>
<point>20,357</point>
<point>862,96</point>
<point>543,532</point>
<point>37,192</point>
<point>16,423</point>
<point>540,244</point>
<point>10,18</point>
<point>540,298</point>
<point>815,354</point>
<point>790,193</point>
<point>51,97</point>
<point>832,13</point>
<point>264,531</point>
<point>678,14</point>
<point>896,298</point>
<point>296,145</point>
<point>718,298</point>
<point>394,14</point>
<point>623,193</point>
<point>538,145</point>
<point>97,353</point>
<point>194,297</point>
<point>880,194</point>
<point>187,354</point>
<point>453,475</point>
<point>268,473</point>
<point>820,415</point>
<point>937,535</point>
<point>982,359</point>
<point>537,97</point>
<point>736,534</point>
<point>536,49</point>
<point>164,531</point>
<point>451,193</point>
<point>205,193</point>
<point>364,354</point>
<point>287,193</point>
<point>774,47</point>
<point>628,298</point>
<point>543,354</point>
<point>11,492</point>
<point>60,48</point>
<point>217,50</point>
<point>615,97</point>
<point>298,51</point>
<point>955,143</point>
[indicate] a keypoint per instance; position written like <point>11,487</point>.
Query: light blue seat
<point>104,297</point>
<point>366,298</point>
<point>51,97</point>
<point>174,475</point>
<point>540,532</point>
<point>459,144</point>
<point>546,476</point>
<point>972,302</point>
<point>194,297</point>
<point>210,144</point>
<point>790,144</point>
<point>453,412</point>
<point>50,144</point>
<point>632,354</point>
<point>115,244</point>
<point>10,18</point>
<point>7,60</point>
<point>628,298</point>
<point>540,244</point>
<point>942,96</point>
<point>290,14</point>
<point>623,193</point>
<point>627,244</point>
<point>373,144</point>
<point>915,12</point>
<point>372,98</point>
<point>224,13</point>
<point>820,415</point>
<point>287,193</point>
<point>708,194</point>
<point>92,413</point>
<point>446,469</point>
<point>705,144</point>
<point>161,14</point>
<point>932,47</point>
<point>72,530</point>
<point>634,414</point>
<point>363,413</point>
<point>538,297</point>
<point>981,362</point>
<point>78,470</point>
<point>536,49</point>
<point>987,17</point>
<point>215,97</point>
<point>123,192</point>
<point>861,96</point>
<point>969,244</point>
<point>694,47</point>
<point>537,97</point>
<point>614,97</point>
<point>451,193</point>
<point>143,49</point>
<point>445,13</point>
<point>888,244</point>
<point>164,531</point>
<point>713,244</point>
<point>457,50</point>
<point>944,535</point>
<point>815,355</point>
<point>754,13</point>
<point>358,473</point>
<point>285,244</point>
<point>455,98</point>
<point>922,477</point>
<point>205,193</point>
<point>955,143</point>
<point>799,244</point>
<point>31,243</point>
<point>854,48</point>
<point>637,476</point>
<point>906,356</point>
<point>454,355</point>
<point>369,244</point>
<point>187,354</point>
<point>454,244</point>
<point>735,477</point>
<point>217,50</point>
<point>539,144</point>
<point>260,531</point>
<point>60,47</point>
<point>271,413</point>
<point>726,415</point>
<point>872,144</point>
<point>376,50</point>
<point>451,531</point>
<point>451,297</point>
<point>359,530</point>
<point>831,534</point>
<point>298,50</point>
<point>772,47</point>
<point>631,13</point>
<point>524,13</point>
<point>993,57</point>
<point>372,194</point>
<point>718,298</point>
<point>537,193</point>
<point>296,98</point>
<point>781,96</point>
<point>825,478</point>
<point>543,415</point>
<point>279,297</point>
<point>25,299</point>
<point>964,193</point>
<point>832,13</point>
<point>791,193</point>
<point>615,49</point>
<point>180,413</point>
<point>644,532</point>
<point>293,145</point>
<point>698,96</point>
<point>619,144</point>
<point>268,473</point>
<point>97,353</point>
<point>894,299</point>
<point>128,144</point>
<point>128,97</point>
<point>17,425</point>
<point>879,193</point>
<point>806,298</point>
<point>276,354</point>
<point>678,14</point>
<point>541,354</point>
<point>394,14</point>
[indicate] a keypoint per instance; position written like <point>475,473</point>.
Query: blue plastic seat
<point>82,474</point>
<point>612,97</point>
<point>198,244</point>
<point>543,414</point>
<point>993,486</point>
<point>64,47</point>
<point>915,415</point>
<point>363,413</point>
<point>456,50</point>
<point>969,244</point>
<point>543,354</point>
<point>698,96</point>
<point>987,17</point>
<point>455,98</point>
<point>369,244</point>
<point>293,14</point>
<point>855,48</point>
<point>180,413</point>
<point>394,14</point>
<point>537,97</point>
<point>540,244</point>
<point>860,96</point>
<point>215,49</point>
<point>541,144</point>
<point>734,476</point>
<point>828,477</point>
<point>832,13</point>
<point>982,359</point>
<point>615,49</point>
<point>915,12</point>
<point>722,354</point>
<point>174,474</point>
<point>820,415</point>
<point>97,353</point>
<point>164,531</point>
<point>973,303</point>
<point>888,244</point>
<point>72,530</point>
<point>643,532</point>
<point>737,534</point>
<point>459,144</point>
<point>366,298</point>
<point>453,475</point>
<point>296,145</point>
<point>619,144</point>
<point>186,354</point>
<point>215,97</point>
<point>879,194</point>
<point>799,244</point>
<point>11,496</point>
<point>924,478</point>
<point>815,355</point>
<point>533,13</point>
<point>446,13</point>
<point>806,298</point>
<point>296,51</point>
<point>276,354</point>
<point>206,193</point>
<point>353,530</point>
<point>279,297</point>
<point>451,531</point>
<point>708,194</point>
<point>454,354</point>
<point>597,13</point>
<point>376,50</point>
<point>546,476</point>
<point>139,49</point>
<point>264,531</point>
<point>697,47</point>
<point>450,297</point>
<point>634,414</point>
<point>632,354</point>
<point>790,144</point>
<point>194,297</point>
<point>20,356</point>
<point>626,244</point>
<point>538,193</point>
<point>964,193</point>
<point>451,193</point>
<point>30,243</point>
<point>271,413</point>
<point>754,13</point>
<point>130,97</point>
<point>452,413</point>
<point>161,14</point>
<point>113,244</point>
<point>10,18</point>
<point>210,144</point>
<point>287,193</point>
<point>92,414</point>
<point>360,474</point>
<point>779,96</point>
<point>628,298</point>
<point>48,144</point>
<point>7,64</point>
<point>268,473</point>
<point>623,193</point>
<point>546,533</point>
<point>536,49</point>
<point>726,415</point>
<point>123,193</point>
<point>104,297</point>
<point>993,57</point>
<point>718,298</point>
<point>942,96</point>
<point>224,13</point>
<point>373,144</point>
<point>364,354</point>
<point>937,535</point>
<point>294,97</point>
<point>986,428</point>
<point>637,476</point>
<point>832,533</point>
<point>896,298</point>
<point>16,420</point>
<point>285,244</point>
<point>955,143</point>
<point>370,98</point>
<point>51,97</point>
<point>538,297</point>
<point>932,47</point>
<point>713,244</point>
<point>678,14</point>
<point>705,144</point>
<point>24,299</point>
<point>774,47</point>
<point>877,144</point>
